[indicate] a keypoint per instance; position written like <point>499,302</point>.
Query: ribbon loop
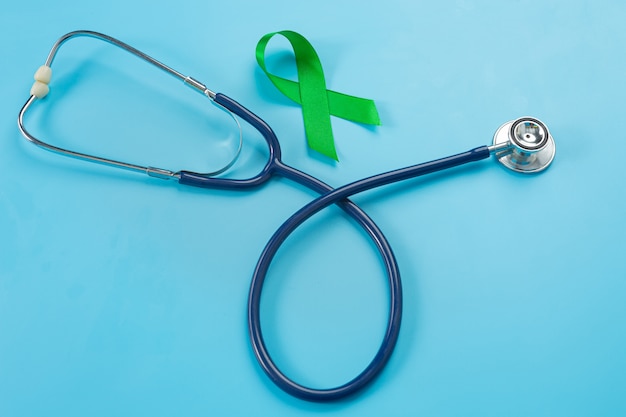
<point>310,92</point>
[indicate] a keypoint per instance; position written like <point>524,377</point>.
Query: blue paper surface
<point>126,295</point>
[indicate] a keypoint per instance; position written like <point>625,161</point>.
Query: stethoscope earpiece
<point>524,145</point>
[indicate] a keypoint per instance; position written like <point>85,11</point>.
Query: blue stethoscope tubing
<point>329,196</point>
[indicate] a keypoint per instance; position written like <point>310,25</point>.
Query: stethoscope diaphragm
<point>524,145</point>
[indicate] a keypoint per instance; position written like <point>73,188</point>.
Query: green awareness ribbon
<point>310,92</point>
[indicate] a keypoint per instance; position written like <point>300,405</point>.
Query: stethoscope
<point>524,145</point>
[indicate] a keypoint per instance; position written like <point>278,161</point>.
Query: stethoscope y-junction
<point>523,145</point>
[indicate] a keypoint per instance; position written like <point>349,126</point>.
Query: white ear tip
<point>43,74</point>
<point>39,89</point>
<point>42,77</point>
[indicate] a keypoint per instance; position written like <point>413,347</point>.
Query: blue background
<point>126,295</point>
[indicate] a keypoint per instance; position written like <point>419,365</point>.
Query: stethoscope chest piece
<point>524,145</point>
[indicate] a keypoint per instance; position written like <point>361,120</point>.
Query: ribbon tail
<point>355,109</point>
